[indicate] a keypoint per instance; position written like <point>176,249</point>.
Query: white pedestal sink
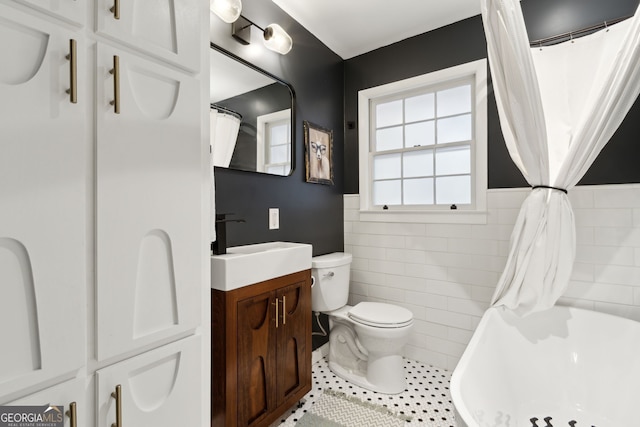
<point>249,264</point>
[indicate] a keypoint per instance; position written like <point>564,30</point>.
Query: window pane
<point>453,160</point>
<point>279,134</point>
<point>454,129</point>
<point>386,192</point>
<point>389,139</point>
<point>389,114</point>
<point>419,134</point>
<point>418,163</point>
<point>453,189</point>
<point>456,100</point>
<point>278,154</point>
<point>386,166</point>
<point>418,191</point>
<point>419,108</point>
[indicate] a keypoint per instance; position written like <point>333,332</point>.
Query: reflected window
<point>274,143</point>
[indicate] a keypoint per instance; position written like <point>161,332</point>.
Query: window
<point>423,146</point>
<point>274,143</point>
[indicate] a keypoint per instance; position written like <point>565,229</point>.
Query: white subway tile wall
<point>446,274</point>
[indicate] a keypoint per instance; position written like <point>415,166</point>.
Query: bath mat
<point>336,409</point>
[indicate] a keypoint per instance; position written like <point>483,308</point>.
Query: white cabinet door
<point>149,257</point>
<point>160,388</point>
<point>168,29</point>
<point>72,11</point>
<point>43,204</point>
<point>56,403</point>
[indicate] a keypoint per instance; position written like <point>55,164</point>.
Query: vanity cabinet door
<point>74,392</point>
<point>148,241</point>
<point>159,388</point>
<point>72,11</point>
<point>44,179</point>
<point>261,355</point>
<point>256,358</point>
<point>167,29</point>
<point>293,345</point>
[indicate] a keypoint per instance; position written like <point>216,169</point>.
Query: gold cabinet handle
<point>117,395</point>
<point>71,413</point>
<point>116,84</point>
<point>284,310</point>
<point>73,72</point>
<point>276,304</point>
<point>115,9</point>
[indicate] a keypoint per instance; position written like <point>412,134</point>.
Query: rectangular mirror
<point>251,116</point>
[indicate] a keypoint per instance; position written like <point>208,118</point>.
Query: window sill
<point>427,217</point>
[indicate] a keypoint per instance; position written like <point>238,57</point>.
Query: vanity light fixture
<point>275,38</point>
<point>227,10</point>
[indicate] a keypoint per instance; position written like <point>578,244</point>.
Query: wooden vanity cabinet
<point>261,350</point>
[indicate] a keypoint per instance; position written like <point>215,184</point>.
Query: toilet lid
<point>381,315</point>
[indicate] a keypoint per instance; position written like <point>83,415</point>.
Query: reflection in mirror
<point>251,116</point>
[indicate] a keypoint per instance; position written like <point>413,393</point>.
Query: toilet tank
<point>330,289</point>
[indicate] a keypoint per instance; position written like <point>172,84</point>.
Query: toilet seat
<point>380,315</point>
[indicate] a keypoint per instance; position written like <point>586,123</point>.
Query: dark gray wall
<point>463,42</point>
<point>309,213</point>
<point>546,18</point>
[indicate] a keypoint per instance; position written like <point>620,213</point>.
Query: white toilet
<point>365,340</point>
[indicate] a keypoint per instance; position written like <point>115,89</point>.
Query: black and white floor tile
<point>426,400</point>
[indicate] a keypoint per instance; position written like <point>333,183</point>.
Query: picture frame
<point>318,145</point>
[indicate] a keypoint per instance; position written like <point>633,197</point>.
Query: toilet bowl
<point>365,340</point>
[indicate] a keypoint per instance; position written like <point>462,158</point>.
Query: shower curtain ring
<point>571,35</point>
<point>606,26</point>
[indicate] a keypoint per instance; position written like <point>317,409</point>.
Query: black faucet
<point>219,247</point>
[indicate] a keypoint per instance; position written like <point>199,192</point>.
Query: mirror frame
<point>293,108</point>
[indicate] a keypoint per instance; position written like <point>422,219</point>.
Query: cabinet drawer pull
<point>73,72</point>
<point>115,9</point>
<point>117,395</point>
<point>71,413</point>
<point>116,84</point>
<point>277,314</point>
<point>284,310</point>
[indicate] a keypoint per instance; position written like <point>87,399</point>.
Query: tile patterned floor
<point>426,399</point>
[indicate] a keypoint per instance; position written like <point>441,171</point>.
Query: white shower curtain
<point>224,133</point>
<point>558,108</point>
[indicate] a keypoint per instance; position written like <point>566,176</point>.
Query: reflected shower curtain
<point>558,108</point>
<point>224,133</point>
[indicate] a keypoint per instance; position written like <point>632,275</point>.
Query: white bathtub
<point>579,367</point>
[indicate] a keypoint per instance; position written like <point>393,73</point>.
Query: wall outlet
<point>274,218</point>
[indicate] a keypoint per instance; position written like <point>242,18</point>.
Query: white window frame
<point>261,136</point>
<point>477,215</point>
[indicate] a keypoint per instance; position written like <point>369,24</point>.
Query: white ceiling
<point>353,27</point>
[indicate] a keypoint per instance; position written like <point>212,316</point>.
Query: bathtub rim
<point>462,414</point>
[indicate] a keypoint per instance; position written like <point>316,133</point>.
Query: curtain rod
<point>548,41</point>
<point>226,110</point>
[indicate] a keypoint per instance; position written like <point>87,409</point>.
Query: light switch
<point>274,218</point>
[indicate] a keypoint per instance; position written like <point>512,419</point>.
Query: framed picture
<point>318,144</point>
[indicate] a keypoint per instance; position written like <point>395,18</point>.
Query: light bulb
<point>227,10</point>
<point>277,39</point>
